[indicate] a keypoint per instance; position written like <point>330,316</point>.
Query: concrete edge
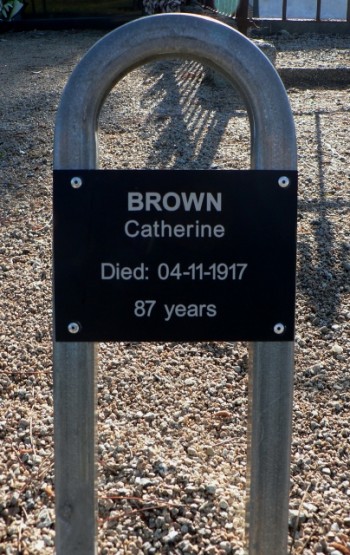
<point>323,76</point>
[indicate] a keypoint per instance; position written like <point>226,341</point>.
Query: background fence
<point>292,15</point>
<point>306,9</point>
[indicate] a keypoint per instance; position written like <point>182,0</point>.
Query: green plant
<point>9,8</point>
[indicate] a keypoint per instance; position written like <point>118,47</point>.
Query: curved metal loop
<point>273,147</point>
<point>185,36</point>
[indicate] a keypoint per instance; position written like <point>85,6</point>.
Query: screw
<point>283,181</point>
<point>279,328</point>
<point>73,327</point>
<point>76,182</point>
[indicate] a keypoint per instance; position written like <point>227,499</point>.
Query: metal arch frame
<point>273,146</point>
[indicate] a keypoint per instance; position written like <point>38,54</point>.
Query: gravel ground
<point>172,417</point>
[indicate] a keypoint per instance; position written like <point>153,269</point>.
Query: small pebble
<point>337,349</point>
<point>171,536</point>
<point>210,488</point>
<point>326,471</point>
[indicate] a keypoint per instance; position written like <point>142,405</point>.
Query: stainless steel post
<point>269,440</point>
<point>273,147</point>
<point>74,405</point>
<point>75,369</point>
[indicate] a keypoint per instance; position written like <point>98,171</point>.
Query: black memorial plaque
<point>153,255</point>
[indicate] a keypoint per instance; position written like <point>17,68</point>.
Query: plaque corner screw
<point>76,182</point>
<point>73,327</point>
<point>284,181</point>
<point>279,328</point>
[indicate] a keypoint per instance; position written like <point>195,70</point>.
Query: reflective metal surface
<point>273,147</point>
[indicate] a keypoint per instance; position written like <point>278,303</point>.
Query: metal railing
<point>320,18</point>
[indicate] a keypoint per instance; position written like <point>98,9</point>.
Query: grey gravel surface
<point>172,417</point>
